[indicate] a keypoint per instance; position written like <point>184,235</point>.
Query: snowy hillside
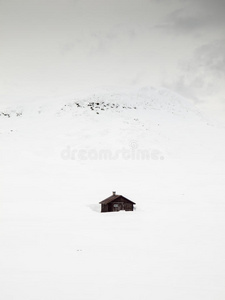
<point>59,158</point>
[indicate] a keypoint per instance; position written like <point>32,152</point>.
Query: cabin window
<point>116,205</point>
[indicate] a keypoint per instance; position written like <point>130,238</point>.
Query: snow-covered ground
<point>60,158</point>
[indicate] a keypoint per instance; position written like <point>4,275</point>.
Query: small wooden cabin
<point>116,203</point>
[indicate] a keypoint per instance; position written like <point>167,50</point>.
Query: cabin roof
<point>112,198</point>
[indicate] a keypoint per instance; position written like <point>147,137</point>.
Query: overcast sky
<point>52,48</point>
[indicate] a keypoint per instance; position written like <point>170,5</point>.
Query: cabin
<point>116,203</point>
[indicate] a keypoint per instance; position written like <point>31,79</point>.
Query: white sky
<point>52,48</point>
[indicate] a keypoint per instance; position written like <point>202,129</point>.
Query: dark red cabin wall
<point>128,206</point>
<point>104,208</point>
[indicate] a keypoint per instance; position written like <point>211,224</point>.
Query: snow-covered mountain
<point>146,118</point>
<point>59,158</point>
